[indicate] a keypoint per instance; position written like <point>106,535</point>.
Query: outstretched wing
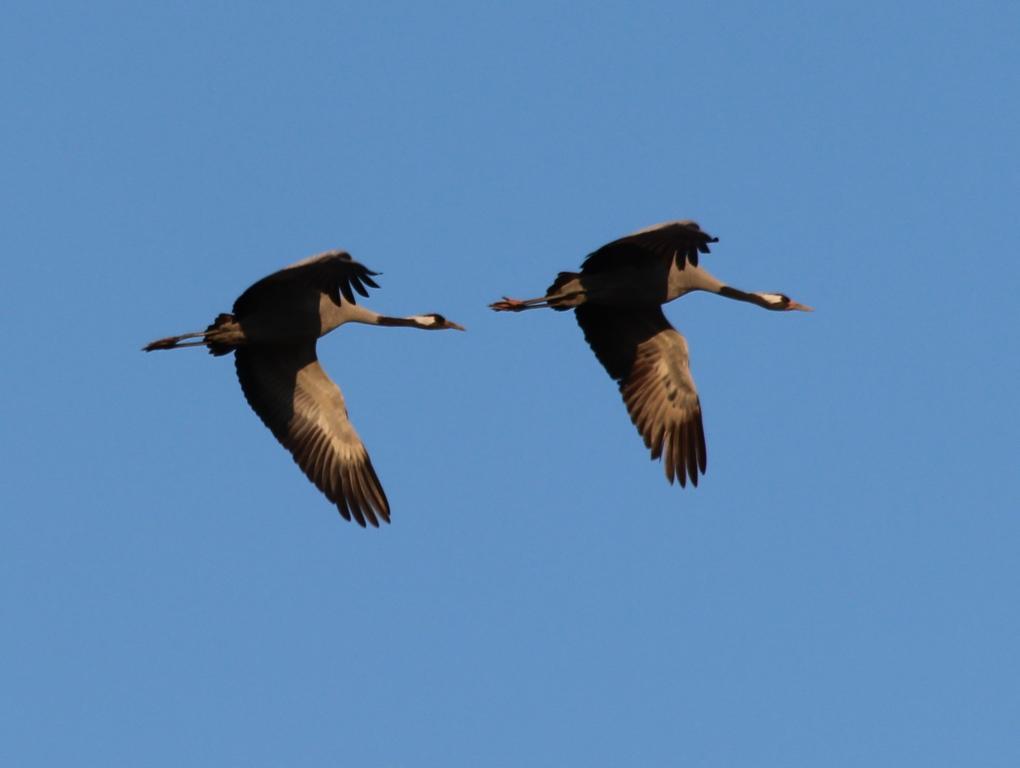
<point>679,240</point>
<point>287,388</point>
<point>648,358</point>
<point>334,273</point>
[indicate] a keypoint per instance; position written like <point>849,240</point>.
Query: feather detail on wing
<point>303,408</point>
<point>679,240</point>
<point>334,273</point>
<point>648,358</point>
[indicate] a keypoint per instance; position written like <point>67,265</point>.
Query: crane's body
<point>617,297</point>
<point>272,331</point>
<point>655,282</point>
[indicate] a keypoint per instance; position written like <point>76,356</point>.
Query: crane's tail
<point>220,337</point>
<point>565,292</point>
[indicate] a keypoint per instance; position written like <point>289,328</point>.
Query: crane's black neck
<point>399,322</point>
<point>751,298</point>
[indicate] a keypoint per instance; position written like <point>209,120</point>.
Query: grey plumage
<point>272,332</point>
<point>617,298</point>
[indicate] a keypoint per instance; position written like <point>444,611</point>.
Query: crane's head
<point>781,302</point>
<point>434,322</point>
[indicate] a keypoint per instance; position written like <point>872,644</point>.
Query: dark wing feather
<point>304,409</point>
<point>334,273</point>
<point>648,358</point>
<point>679,240</point>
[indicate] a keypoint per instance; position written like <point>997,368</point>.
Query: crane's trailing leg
<point>221,337</point>
<point>174,342</point>
<point>566,292</point>
<point>518,305</point>
<point>558,301</point>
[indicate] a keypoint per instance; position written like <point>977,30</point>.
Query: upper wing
<point>304,409</point>
<point>333,273</point>
<point>680,240</point>
<point>648,357</point>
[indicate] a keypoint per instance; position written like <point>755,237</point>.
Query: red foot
<point>168,343</point>
<point>508,305</point>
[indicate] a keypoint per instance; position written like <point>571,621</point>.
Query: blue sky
<point>842,588</point>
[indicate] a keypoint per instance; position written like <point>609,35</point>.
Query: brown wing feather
<point>304,409</point>
<point>680,240</point>
<point>334,273</point>
<point>648,358</point>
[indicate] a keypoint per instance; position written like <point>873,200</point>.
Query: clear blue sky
<point>842,589</point>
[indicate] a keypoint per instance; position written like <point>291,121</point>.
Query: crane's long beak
<point>455,326</point>
<point>801,307</point>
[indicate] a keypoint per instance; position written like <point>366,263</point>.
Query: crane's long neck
<point>697,279</point>
<point>766,300</point>
<point>355,313</point>
<point>415,321</point>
